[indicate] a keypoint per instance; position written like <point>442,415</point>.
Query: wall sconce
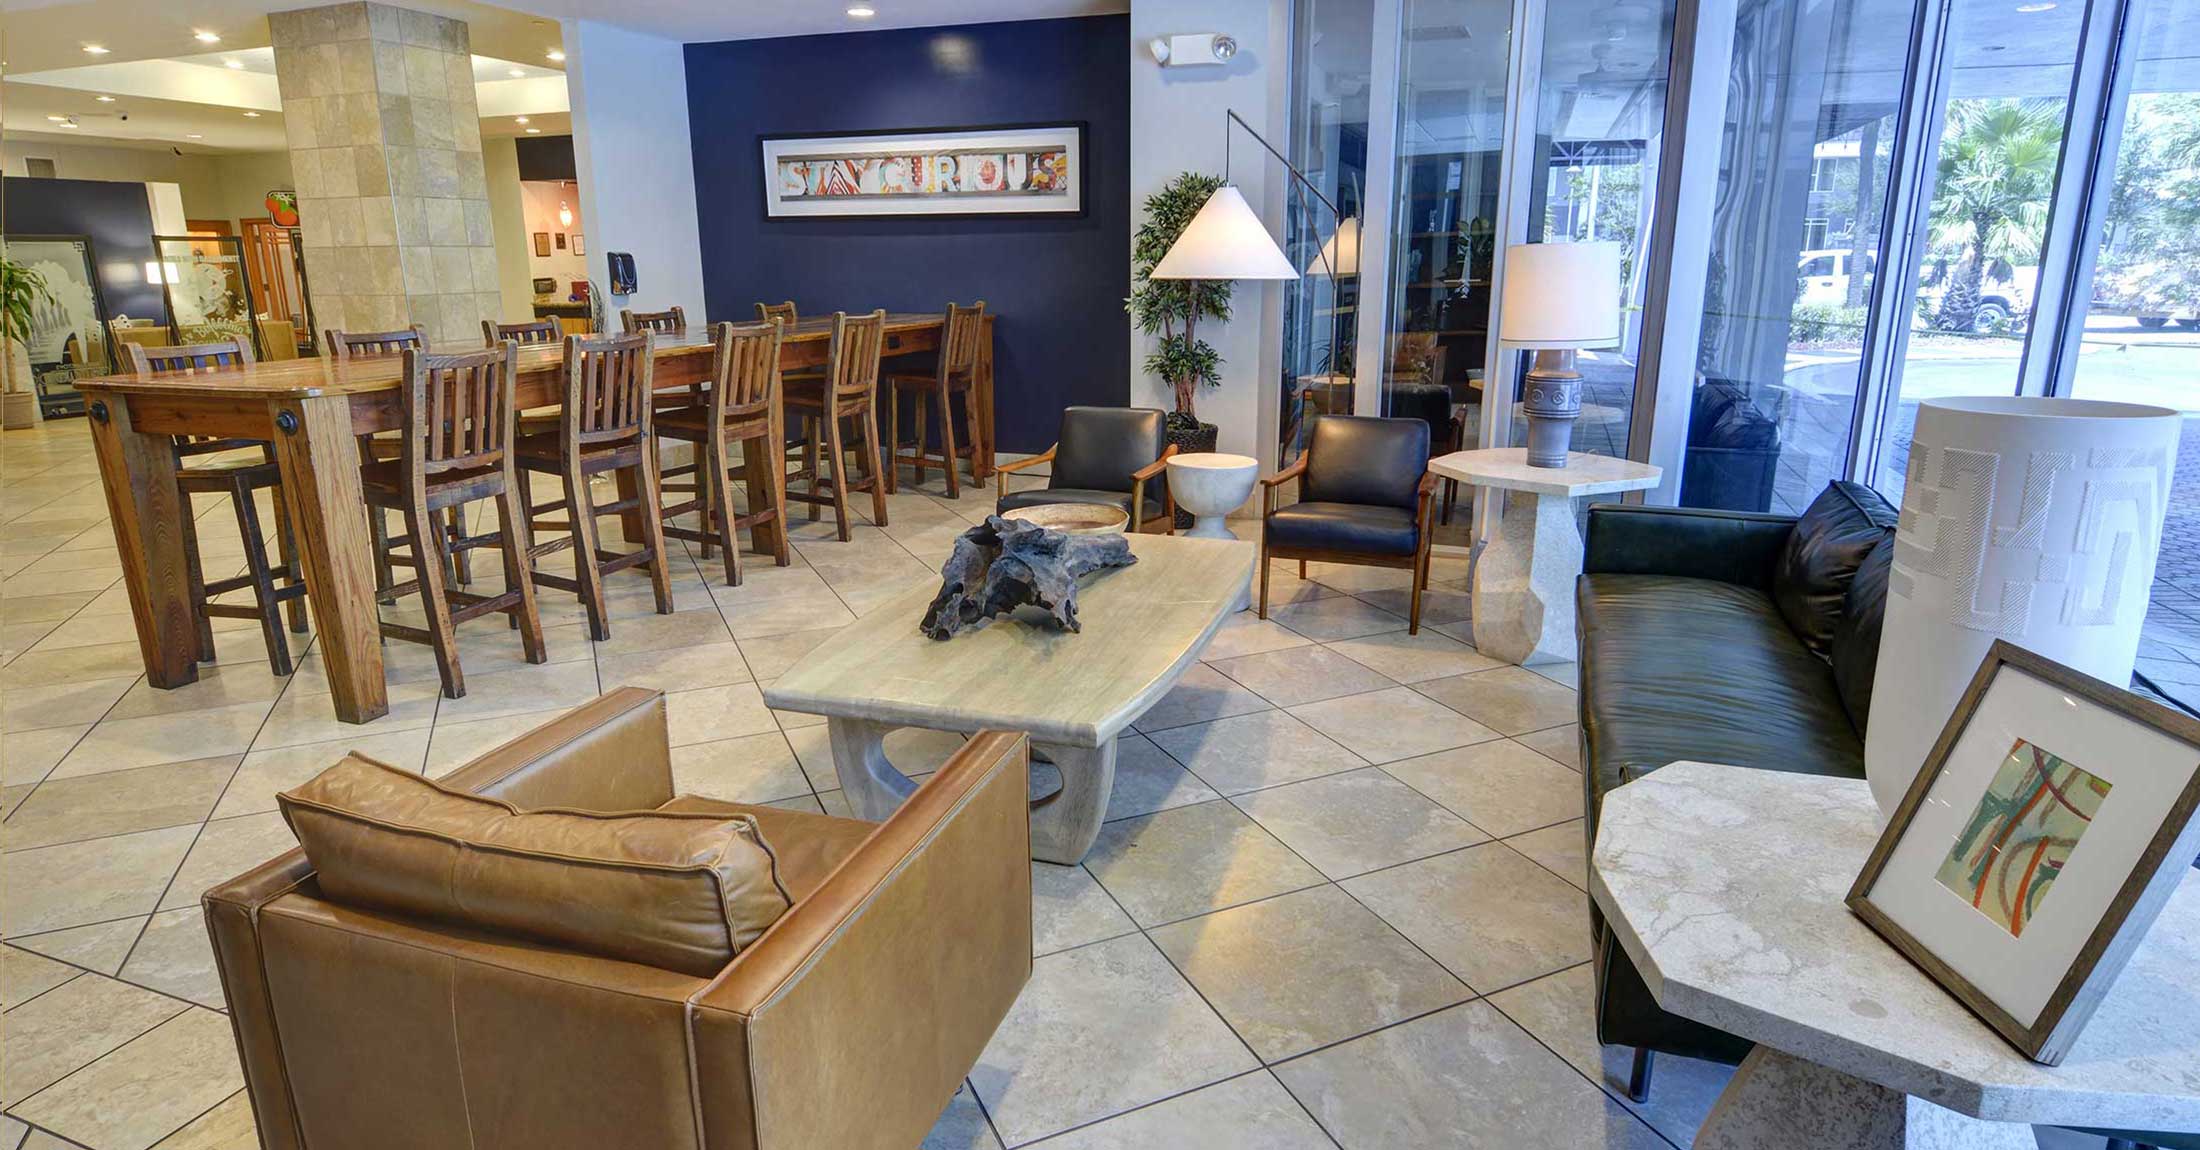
<point>1192,48</point>
<point>565,214</point>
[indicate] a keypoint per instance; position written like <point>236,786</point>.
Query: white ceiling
<point>693,21</point>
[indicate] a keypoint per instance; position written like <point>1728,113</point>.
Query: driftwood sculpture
<point>1002,564</point>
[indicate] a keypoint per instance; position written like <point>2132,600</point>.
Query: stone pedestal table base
<point>1063,823</point>
<point>1776,1102</point>
<point>1524,582</point>
<point>1211,485</point>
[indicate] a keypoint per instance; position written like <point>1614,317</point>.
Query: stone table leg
<point>1524,582</point>
<point>874,787</point>
<point>1778,1101</point>
<point>1064,823</point>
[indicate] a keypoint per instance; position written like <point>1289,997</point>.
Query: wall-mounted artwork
<point>561,241</point>
<point>1004,171</point>
<point>68,334</point>
<point>577,248</point>
<point>542,244</point>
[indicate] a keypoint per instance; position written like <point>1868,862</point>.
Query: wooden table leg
<point>146,510</point>
<point>982,452</point>
<point>1065,823</point>
<point>764,471</point>
<point>320,465</point>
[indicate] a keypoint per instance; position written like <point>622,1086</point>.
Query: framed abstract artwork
<point>2049,824</point>
<point>1007,170</point>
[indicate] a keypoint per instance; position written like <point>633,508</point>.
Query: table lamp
<point>1557,298</point>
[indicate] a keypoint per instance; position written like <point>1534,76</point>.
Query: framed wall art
<point>1008,170</point>
<point>68,338</point>
<point>2050,823</point>
<point>542,244</point>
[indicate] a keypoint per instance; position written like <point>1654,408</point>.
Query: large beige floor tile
<point>1438,604</point>
<point>146,1090</point>
<point>1305,969</point>
<point>769,656</point>
<point>1191,860</point>
<point>1249,1112</point>
<point>1563,850</point>
<point>1410,658</point>
<point>1069,908</point>
<point>72,664</point>
<point>1559,744</point>
<point>525,690</point>
<point>119,744</point>
<point>1383,726</point>
<point>1488,914</point>
<point>117,802</point>
<point>1262,749</point>
<point>804,611</point>
<point>1245,633</point>
<point>28,708</point>
<point>49,888</point>
<point>1358,821</point>
<point>675,669</point>
<point>452,745</point>
<point>175,956</point>
<point>24,975</point>
<point>1509,700</point>
<point>226,849</point>
<point>1463,1079</point>
<point>99,946</point>
<point>51,1036</point>
<point>1200,695</point>
<point>664,632</point>
<point>1297,675</point>
<point>1559,1010</point>
<point>1341,617</point>
<point>302,716</point>
<point>717,713</point>
<point>1500,786</point>
<point>749,769</point>
<point>1099,1030</point>
<point>27,756</point>
<point>223,685</point>
<point>266,772</point>
<point>1148,780</point>
<point>962,1126</point>
<point>226,1127</point>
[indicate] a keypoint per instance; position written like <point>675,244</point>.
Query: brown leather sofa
<point>848,1024</point>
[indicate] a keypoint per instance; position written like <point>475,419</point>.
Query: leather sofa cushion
<point>1365,460</point>
<point>1117,499</point>
<point>1352,528</point>
<point>807,847</point>
<point>1856,636</point>
<point>1811,581</point>
<point>1675,668</point>
<point>682,892</point>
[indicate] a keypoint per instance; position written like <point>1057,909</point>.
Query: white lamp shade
<point>1560,295</point>
<point>1225,241</point>
<point>1341,254</point>
<point>2028,519</point>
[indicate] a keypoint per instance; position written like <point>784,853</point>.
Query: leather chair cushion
<point>1811,581</point>
<point>1365,460</point>
<point>1856,636</point>
<point>682,892</point>
<point>807,847</point>
<point>1118,499</point>
<point>1675,668</point>
<point>1344,528</point>
<point>1101,446</point>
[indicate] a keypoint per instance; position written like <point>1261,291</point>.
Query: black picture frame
<point>1082,174</point>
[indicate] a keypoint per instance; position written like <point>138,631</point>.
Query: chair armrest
<point>853,1019</point>
<point>1156,467</point>
<point>1297,469</point>
<point>233,924</point>
<point>1001,470</point>
<point>610,754</point>
<point>1728,546</point>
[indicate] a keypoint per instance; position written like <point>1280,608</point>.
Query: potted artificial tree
<point>1172,309</point>
<point>21,291</point>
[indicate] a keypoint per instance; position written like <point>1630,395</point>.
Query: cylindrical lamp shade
<point>1560,295</point>
<point>1225,241</point>
<point>2027,519</point>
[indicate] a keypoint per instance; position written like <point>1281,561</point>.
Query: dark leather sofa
<point>1724,637</point>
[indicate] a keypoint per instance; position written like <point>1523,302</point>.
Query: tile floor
<point>1339,901</point>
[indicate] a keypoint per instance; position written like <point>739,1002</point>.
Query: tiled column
<point>385,149</point>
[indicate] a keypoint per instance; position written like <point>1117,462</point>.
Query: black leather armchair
<point>1105,456</point>
<point>1364,498</point>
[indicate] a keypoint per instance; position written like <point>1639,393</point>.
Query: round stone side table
<point>1210,485</point>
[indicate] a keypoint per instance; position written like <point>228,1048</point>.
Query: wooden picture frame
<point>2162,803</point>
<point>559,238</point>
<point>975,172</point>
<point>576,247</point>
<point>542,244</point>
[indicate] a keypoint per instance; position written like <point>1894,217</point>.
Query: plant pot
<point>1189,435</point>
<point>20,407</point>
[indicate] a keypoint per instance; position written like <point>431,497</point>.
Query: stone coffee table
<point>1725,885</point>
<point>1143,626</point>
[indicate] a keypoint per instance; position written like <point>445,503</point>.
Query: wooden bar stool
<point>539,331</point>
<point>236,476</point>
<point>744,408</point>
<point>352,345</point>
<point>955,374</point>
<point>848,390</point>
<point>456,447</point>
<point>672,321</point>
<point>783,312</point>
<point>603,426</point>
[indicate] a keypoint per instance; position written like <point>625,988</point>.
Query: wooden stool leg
<point>869,418</point>
<point>385,577</point>
<point>286,545</point>
<point>917,458</point>
<point>585,572</point>
<point>837,457</point>
<point>721,482</point>
<point>947,442</point>
<point>653,526</point>
<point>462,563</point>
<point>893,439</point>
<point>811,464</point>
<point>263,578</point>
<point>197,576</point>
<point>704,490</point>
<point>979,445</point>
<point>517,533</point>
<point>425,529</point>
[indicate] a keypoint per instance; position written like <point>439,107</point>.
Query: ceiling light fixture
<point>862,11</point>
<point>519,119</point>
<point>104,99</point>
<point>251,115</point>
<point>534,131</point>
<point>565,214</point>
<point>58,119</point>
<point>517,73</point>
<point>233,64</point>
<point>2046,6</point>
<point>207,37</point>
<point>193,136</point>
<point>556,55</point>
<point>68,124</point>
<point>95,49</point>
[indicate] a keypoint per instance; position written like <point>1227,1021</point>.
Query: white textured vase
<point>2027,519</point>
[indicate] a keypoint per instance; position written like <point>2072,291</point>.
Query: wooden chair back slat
<point>964,329</point>
<point>783,312</point>
<point>672,321</point>
<point>539,331</point>
<point>458,409</point>
<point>190,357</point>
<point>608,387</point>
<point>852,363</point>
<point>347,344</point>
<point>745,381</point>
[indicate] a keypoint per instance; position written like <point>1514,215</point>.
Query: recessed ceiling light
<point>862,11</point>
<point>534,131</point>
<point>58,119</point>
<point>233,63</point>
<point>104,99</point>
<point>251,115</point>
<point>207,37</point>
<point>193,136</point>
<point>556,55</point>
<point>2045,6</point>
<point>95,50</point>
<point>519,119</point>
<point>517,73</point>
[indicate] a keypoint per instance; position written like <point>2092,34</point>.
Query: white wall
<point>636,162</point>
<point>228,186</point>
<point>539,202</point>
<point>508,222</point>
<point>1177,125</point>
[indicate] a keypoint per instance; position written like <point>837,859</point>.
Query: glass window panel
<point>1798,223</point>
<point>2008,99</point>
<point>1333,42</point>
<point>2141,342</point>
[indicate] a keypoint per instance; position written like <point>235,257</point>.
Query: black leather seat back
<point>1101,446</point>
<point>1365,460</point>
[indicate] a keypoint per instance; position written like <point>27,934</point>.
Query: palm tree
<point>1995,179</point>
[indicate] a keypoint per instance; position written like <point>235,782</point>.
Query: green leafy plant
<point>1996,177</point>
<point>1172,309</point>
<point>21,291</point>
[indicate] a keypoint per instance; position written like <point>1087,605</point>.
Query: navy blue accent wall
<point>117,217</point>
<point>1057,285</point>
